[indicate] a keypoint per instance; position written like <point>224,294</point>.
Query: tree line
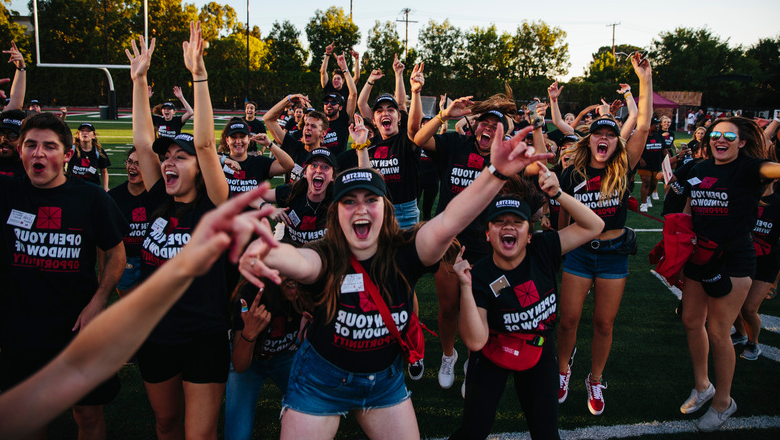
<point>477,61</point>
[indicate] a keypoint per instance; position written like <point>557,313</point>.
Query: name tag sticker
<point>297,170</point>
<point>228,170</point>
<point>579,187</point>
<point>159,225</point>
<point>352,283</point>
<point>694,181</point>
<point>92,170</point>
<point>294,218</point>
<point>499,284</point>
<point>21,219</point>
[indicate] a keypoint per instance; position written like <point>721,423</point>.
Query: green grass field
<point>649,372</point>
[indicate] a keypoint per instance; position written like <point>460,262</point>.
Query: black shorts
<point>205,359</point>
<point>767,267</point>
<point>18,365</point>
<point>739,260</point>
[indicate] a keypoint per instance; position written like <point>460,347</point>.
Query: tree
<point>383,44</point>
<point>486,60</point>
<point>285,59</point>
<point>10,31</point>
<point>215,19</point>
<point>606,69</point>
<point>539,51</point>
<point>765,59</point>
<point>439,46</point>
<point>332,25</point>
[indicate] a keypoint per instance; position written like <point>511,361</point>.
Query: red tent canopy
<point>660,102</point>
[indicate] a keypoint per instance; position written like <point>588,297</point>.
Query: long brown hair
<point>616,177</point>
<point>748,131</point>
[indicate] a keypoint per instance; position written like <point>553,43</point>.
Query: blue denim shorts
<point>407,214</point>
<point>586,263</point>
<point>320,388</point>
<point>131,274</point>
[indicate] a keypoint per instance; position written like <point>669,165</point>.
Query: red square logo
<point>476,161</point>
<point>381,152</point>
<point>139,215</point>
<point>367,303</point>
<point>594,184</point>
<point>240,175</point>
<point>527,293</point>
<point>49,217</point>
<point>308,223</point>
<point>84,162</point>
<point>707,182</point>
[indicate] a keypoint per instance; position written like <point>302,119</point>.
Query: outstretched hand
<point>554,91</point>
<point>458,108</point>
<point>177,92</point>
<point>358,130</point>
<point>329,48</point>
<point>548,181</point>
<point>398,66</point>
<point>251,264</point>
<point>375,75</point>
<point>256,318</point>
<point>642,66</point>
<point>462,268</point>
<point>16,56</point>
<point>140,60</point>
<point>417,78</point>
<point>513,155</point>
<point>193,52</point>
<point>342,62</point>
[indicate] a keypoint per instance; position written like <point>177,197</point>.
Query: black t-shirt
<point>256,126</point>
<point>428,173</point>
<point>134,211</point>
<point>398,159</point>
<point>344,91</point>
<point>357,339</point>
<point>12,167</point>
<point>524,299</point>
<point>338,134</point>
<point>653,153</point>
<point>668,138</point>
<point>555,205</point>
<point>676,197</point>
<point>297,151</point>
<point>87,165</point>
<point>47,262</point>
<point>254,171</point>
<point>458,164</point>
<point>204,307</point>
<point>767,228</point>
<point>309,219</point>
<point>282,331</point>
<point>167,128</point>
<point>613,210</point>
<point>724,198</point>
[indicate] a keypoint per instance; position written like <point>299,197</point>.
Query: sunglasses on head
<point>729,135</point>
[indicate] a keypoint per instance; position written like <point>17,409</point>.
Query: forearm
<point>471,327</point>
<point>352,99</point>
<point>243,351</point>
<point>111,272</point>
<point>364,161</point>
<point>400,90</point>
<point>424,136</point>
<point>362,102</point>
<point>271,119</point>
<point>415,115</point>
<point>356,70</point>
<point>104,178</point>
<point>188,111</point>
<point>18,88</point>
<point>143,133</point>
<point>285,161</point>
<point>324,71</point>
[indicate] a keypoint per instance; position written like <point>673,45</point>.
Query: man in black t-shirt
<point>339,113</point>
<point>256,126</point>
<point>48,253</point>
<point>168,124</point>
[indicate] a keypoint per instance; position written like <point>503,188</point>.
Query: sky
<point>587,24</point>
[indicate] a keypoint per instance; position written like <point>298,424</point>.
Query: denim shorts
<point>586,263</point>
<point>407,214</point>
<point>131,274</point>
<point>320,388</point>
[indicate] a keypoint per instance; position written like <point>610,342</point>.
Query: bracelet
<point>628,93</point>
<point>248,340</point>
<point>288,99</point>
<point>369,83</point>
<point>222,159</point>
<point>361,146</point>
<point>492,169</point>
<point>22,69</point>
<point>262,204</point>
<point>546,215</point>
<point>777,119</point>
<point>200,80</point>
<point>440,118</point>
<point>555,197</point>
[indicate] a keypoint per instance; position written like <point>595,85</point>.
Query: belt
<point>596,243</point>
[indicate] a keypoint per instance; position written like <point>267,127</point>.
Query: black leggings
<point>428,191</point>
<point>536,389</point>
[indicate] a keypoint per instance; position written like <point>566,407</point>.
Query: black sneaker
<point>416,370</point>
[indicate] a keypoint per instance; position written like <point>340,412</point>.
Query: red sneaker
<point>595,398</point>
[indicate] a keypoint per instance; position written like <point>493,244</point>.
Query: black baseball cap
<point>12,120</point>
<point>169,105</point>
<point>237,126</point>
<point>183,140</point>
<point>385,98</point>
<point>570,138</point>
<point>334,97</point>
<point>501,117</point>
<point>361,178</point>
<point>508,204</point>
<point>321,153</point>
<point>604,122</point>
<point>86,125</point>
<point>34,101</point>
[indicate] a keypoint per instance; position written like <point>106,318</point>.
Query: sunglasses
<point>729,135</point>
<point>9,135</point>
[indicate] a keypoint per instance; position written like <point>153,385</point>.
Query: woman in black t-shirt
<point>186,359</point>
<point>515,296</point>
<point>89,161</point>
<point>347,350</point>
<point>599,175</point>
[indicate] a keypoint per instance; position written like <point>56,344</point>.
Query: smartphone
<point>532,106</point>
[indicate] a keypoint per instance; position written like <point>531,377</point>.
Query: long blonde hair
<point>616,177</point>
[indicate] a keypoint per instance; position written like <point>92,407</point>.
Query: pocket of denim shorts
<point>321,378</point>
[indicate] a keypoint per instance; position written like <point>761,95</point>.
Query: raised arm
<point>19,86</point>
<point>365,93</point>
<point>400,87</point>
<point>283,163</point>
<point>554,92</point>
<point>203,133</point>
<point>352,99</point>
<point>417,79</point>
<point>582,114</point>
<point>188,112</point>
<point>628,126</point>
<point>538,122</point>
<point>356,68</point>
<point>457,109</point>
<point>769,130</point>
<point>324,66</point>
<point>359,134</point>
<point>509,157</point>
<point>143,128</point>
<point>472,321</point>
<point>271,118</point>
<point>636,144</point>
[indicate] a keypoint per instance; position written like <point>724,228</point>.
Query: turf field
<point>649,373</point>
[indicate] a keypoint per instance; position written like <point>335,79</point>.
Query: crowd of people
<point>214,300</point>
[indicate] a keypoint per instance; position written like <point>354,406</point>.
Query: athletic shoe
<point>563,379</point>
<point>447,370</point>
<point>595,397</point>
<point>696,400</point>
<point>465,370</point>
<point>416,370</point>
<point>751,352</point>
<point>643,207</point>
<point>655,196</point>
<point>738,339</point>
<point>712,420</point>
<point>649,202</point>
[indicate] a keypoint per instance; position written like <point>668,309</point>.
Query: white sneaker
<point>643,207</point>
<point>447,370</point>
<point>649,202</point>
<point>655,196</point>
<point>712,420</point>
<point>696,400</point>
<point>416,370</point>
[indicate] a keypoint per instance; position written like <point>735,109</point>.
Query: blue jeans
<point>131,275</point>
<point>407,214</point>
<point>243,391</point>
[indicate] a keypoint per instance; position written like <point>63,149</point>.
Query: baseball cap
<point>12,120</point>
<point>570,138</point>
<point>169,105</point>
<point>86,125</point>
<point>604,122</point>
<point>501,117</point>
<point>237,126</point>
<point>385,98</point>
<point>334,97</point>
<point>361,178</point>
<point>34,101</point>
<point>321,153</point>
<point>183,140</point>
<point>508,204</point>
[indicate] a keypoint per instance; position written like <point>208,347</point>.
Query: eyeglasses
<point>729,135</point>
<point>133,163</point>
<point>9,135</point>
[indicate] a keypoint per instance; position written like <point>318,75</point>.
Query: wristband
<point>440,118</point>
<point>555,197</point>
<point>22,69</point>
<point>357,146</point>
<point>546,215</point>
<point>369,83</point>
<point>492,169</point>
<point>288,99</point>
<point>222,159</point>
<point>627,94</point>
<point>200,80</point>
<point>777,119</point>
<point>247,340</point>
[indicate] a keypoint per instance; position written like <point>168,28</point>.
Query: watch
<point>492,169</point>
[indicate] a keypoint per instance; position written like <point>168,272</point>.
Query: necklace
<point>312,207</point>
